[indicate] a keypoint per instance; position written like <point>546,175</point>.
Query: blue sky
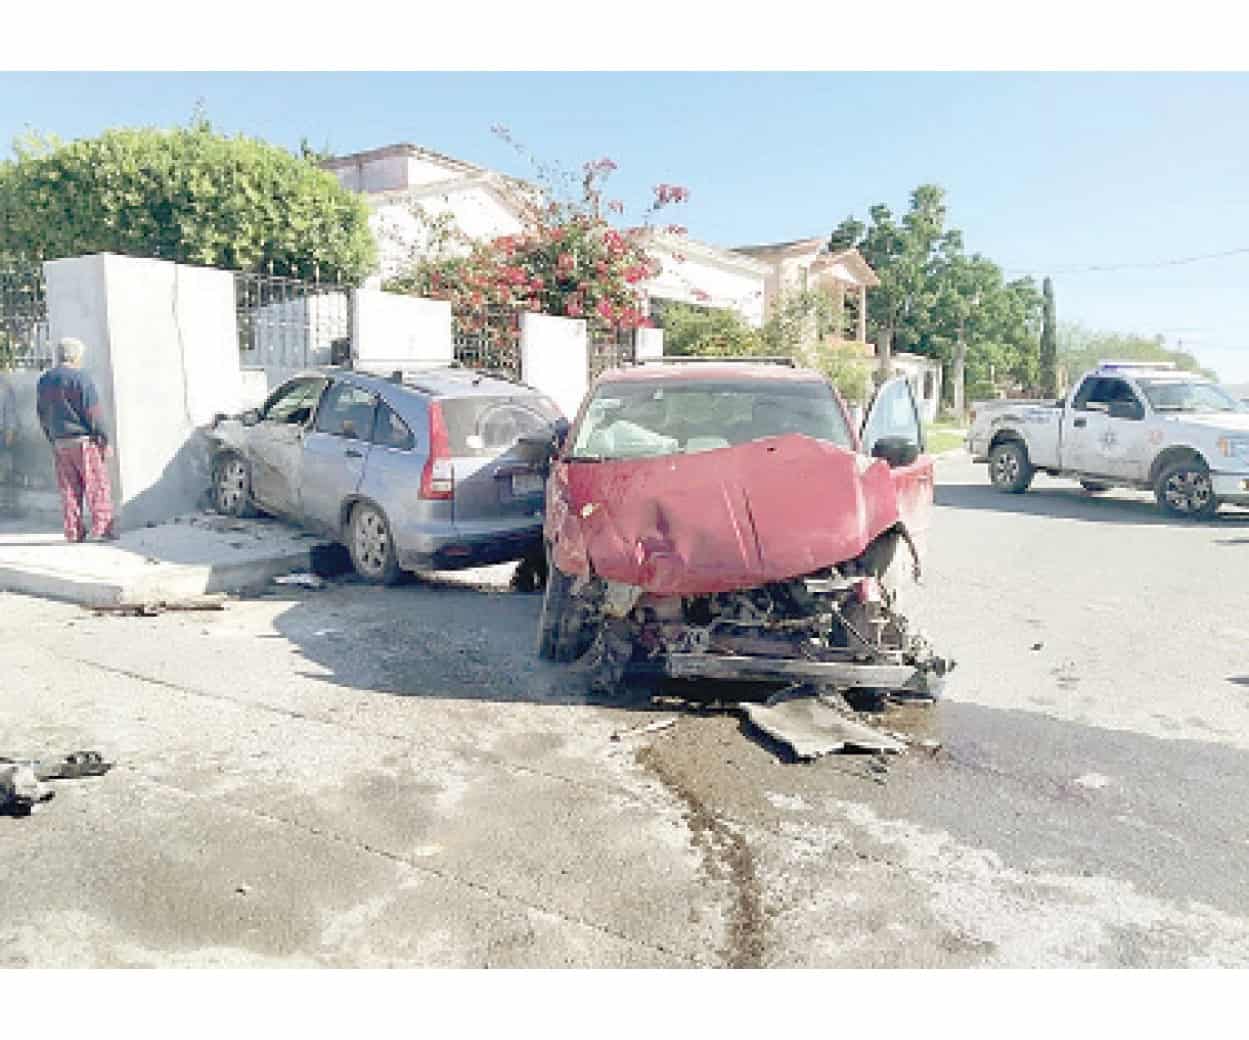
<point>1045,173</point>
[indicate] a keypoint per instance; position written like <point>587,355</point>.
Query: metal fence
<point>488,340</point>
<point>610,347</point>
<point>24,338</point>
<point>289,323</point>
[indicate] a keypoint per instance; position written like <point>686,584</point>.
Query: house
<point>808,263</point>
<point>413,191</point>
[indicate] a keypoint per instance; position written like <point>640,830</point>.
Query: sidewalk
<point>188,556</point>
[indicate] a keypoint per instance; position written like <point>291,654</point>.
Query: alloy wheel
<point>231,485</point>
<point>1188,491</point>
<point>372,542</point>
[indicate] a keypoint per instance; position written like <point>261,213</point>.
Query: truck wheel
<point>563,632</point>
<point>1094,486</point>
<point>1009,468</point>
<point>1184,489</point>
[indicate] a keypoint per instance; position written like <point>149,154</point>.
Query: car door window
<point>893,415</point>
<point>389,431</point>
<point>1096,395</point>
<point>295,402</point>
<point>347,411</point>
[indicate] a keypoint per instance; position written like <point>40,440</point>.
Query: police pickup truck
<point>1124,424</point>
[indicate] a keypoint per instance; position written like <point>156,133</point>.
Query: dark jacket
<point>68,405</point>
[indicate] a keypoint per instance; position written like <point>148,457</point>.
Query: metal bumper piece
<point>763,669</point>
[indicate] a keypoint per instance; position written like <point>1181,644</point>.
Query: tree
<point>186,194</point>
<point>706,331</point>
<point>1080,349</point>
<point>1049,344</point>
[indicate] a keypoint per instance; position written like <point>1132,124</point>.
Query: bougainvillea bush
<point>570,261</point>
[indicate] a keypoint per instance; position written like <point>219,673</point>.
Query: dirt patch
<point>726,857</point>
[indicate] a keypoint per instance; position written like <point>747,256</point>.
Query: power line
<point>1079,269</point>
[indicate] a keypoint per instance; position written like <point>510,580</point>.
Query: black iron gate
<point>24,340</point>
<point>610,347</point>
<point>290,323</point>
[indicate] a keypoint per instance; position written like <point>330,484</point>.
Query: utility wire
<point>1124,267</point>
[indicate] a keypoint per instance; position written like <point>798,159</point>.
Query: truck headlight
<point>1234,448</point>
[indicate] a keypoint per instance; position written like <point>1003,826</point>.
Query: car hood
<point>1231,422</point>
<point>714,521</point>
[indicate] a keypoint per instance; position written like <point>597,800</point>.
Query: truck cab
<point>1125,424</point>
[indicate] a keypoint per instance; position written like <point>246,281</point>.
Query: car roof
<point>434,381</point>
<point>710,371</point>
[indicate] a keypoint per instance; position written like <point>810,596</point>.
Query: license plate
<point>526,484</point>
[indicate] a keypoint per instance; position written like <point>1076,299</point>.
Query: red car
<point>726,521</point>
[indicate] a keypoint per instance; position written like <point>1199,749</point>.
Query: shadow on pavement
<point>436,637</point>
<point>1075,504</point>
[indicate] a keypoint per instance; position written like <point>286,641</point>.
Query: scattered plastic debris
<point>23,786</point>
<point>650,727</point>
<point>302,579</point>
<point>159,606</point>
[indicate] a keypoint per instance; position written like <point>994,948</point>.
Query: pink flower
<point>701,296</point>
<point>605,310</point>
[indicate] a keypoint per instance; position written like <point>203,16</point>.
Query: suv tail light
<point>437,478</point>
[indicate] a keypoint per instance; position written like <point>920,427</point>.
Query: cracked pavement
<point>355,776</point>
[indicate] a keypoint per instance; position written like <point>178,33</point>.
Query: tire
<point>1094,486</point>
<point>563,634</point>
<point>371,546</point>
<point>1183,489</point>
<point>1009,467</point>
<point>232,486</point>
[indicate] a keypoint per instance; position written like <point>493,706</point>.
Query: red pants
<point>80,470</point>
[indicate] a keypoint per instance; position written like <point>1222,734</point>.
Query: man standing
<point>8,442</point>
<point>72,419</point>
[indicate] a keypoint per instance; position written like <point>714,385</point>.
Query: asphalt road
<point>355,776</point>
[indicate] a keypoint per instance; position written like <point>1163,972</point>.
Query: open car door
<point>892,431</point>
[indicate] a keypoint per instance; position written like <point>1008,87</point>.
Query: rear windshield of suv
<point>645,418</point>
<point>488,426</point>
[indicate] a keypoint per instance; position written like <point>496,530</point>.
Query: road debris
<point>156,607</point>
<point>302,579</point>
<point>812,727</point>
<point>650,727</point>
<point>23,786</point>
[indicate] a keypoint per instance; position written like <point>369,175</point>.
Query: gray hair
<point>70,350</point>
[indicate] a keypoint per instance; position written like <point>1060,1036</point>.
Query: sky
<point>1045,173</point>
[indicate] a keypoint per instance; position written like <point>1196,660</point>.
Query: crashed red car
<point>725,521</point>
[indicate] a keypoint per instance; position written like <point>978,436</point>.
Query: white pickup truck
<point>1124,424</point>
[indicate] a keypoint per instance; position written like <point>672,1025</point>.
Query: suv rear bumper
<point>456,546</point>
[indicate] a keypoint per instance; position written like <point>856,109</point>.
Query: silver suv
<point>431,469</point>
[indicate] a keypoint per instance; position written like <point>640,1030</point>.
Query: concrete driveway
<point>356,776</point>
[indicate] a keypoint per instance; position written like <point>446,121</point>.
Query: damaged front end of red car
<point>778,560</point>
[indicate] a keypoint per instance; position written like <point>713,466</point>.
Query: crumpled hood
<point>714,521</point>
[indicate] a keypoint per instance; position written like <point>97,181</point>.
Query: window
<point>484,426</point>
<point>389,431</point>
<point>892,415</point>
<point>1098,392</point>
<point>1176,396</point>
<point>643,418</point>
<point>347,411</point>
<point>294,402</point>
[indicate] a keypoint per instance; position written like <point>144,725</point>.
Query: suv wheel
<point>371,546</point>
<point>1184,489</point>
<point>1009,468</point>
<point>232,486</point>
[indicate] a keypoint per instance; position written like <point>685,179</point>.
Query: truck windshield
<point>1169,395</point>
<point>644,418</point>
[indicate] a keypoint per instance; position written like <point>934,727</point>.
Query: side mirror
<point>896,451</point>
<point>250,417</point>
<point>1124,410</point>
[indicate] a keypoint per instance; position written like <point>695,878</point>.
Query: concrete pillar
<point>162,348</point>
<point>650,344</point>
<point>390,330</point>
<point>554,358</point>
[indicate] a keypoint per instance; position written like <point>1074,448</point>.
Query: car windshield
<point>645,418</point>
<point>1169,395</point>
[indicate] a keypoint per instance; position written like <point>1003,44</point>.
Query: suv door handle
<point>1080,422</point>
<point>351,453</point>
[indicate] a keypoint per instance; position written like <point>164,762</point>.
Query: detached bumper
<point>847,674</point>
<point>1231,487</point>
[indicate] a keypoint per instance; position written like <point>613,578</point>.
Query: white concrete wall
<point>391,331</point>
<point>685,277</point>
<point>650,343</point>
<point>163,350</point>
<point>554,359</point>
